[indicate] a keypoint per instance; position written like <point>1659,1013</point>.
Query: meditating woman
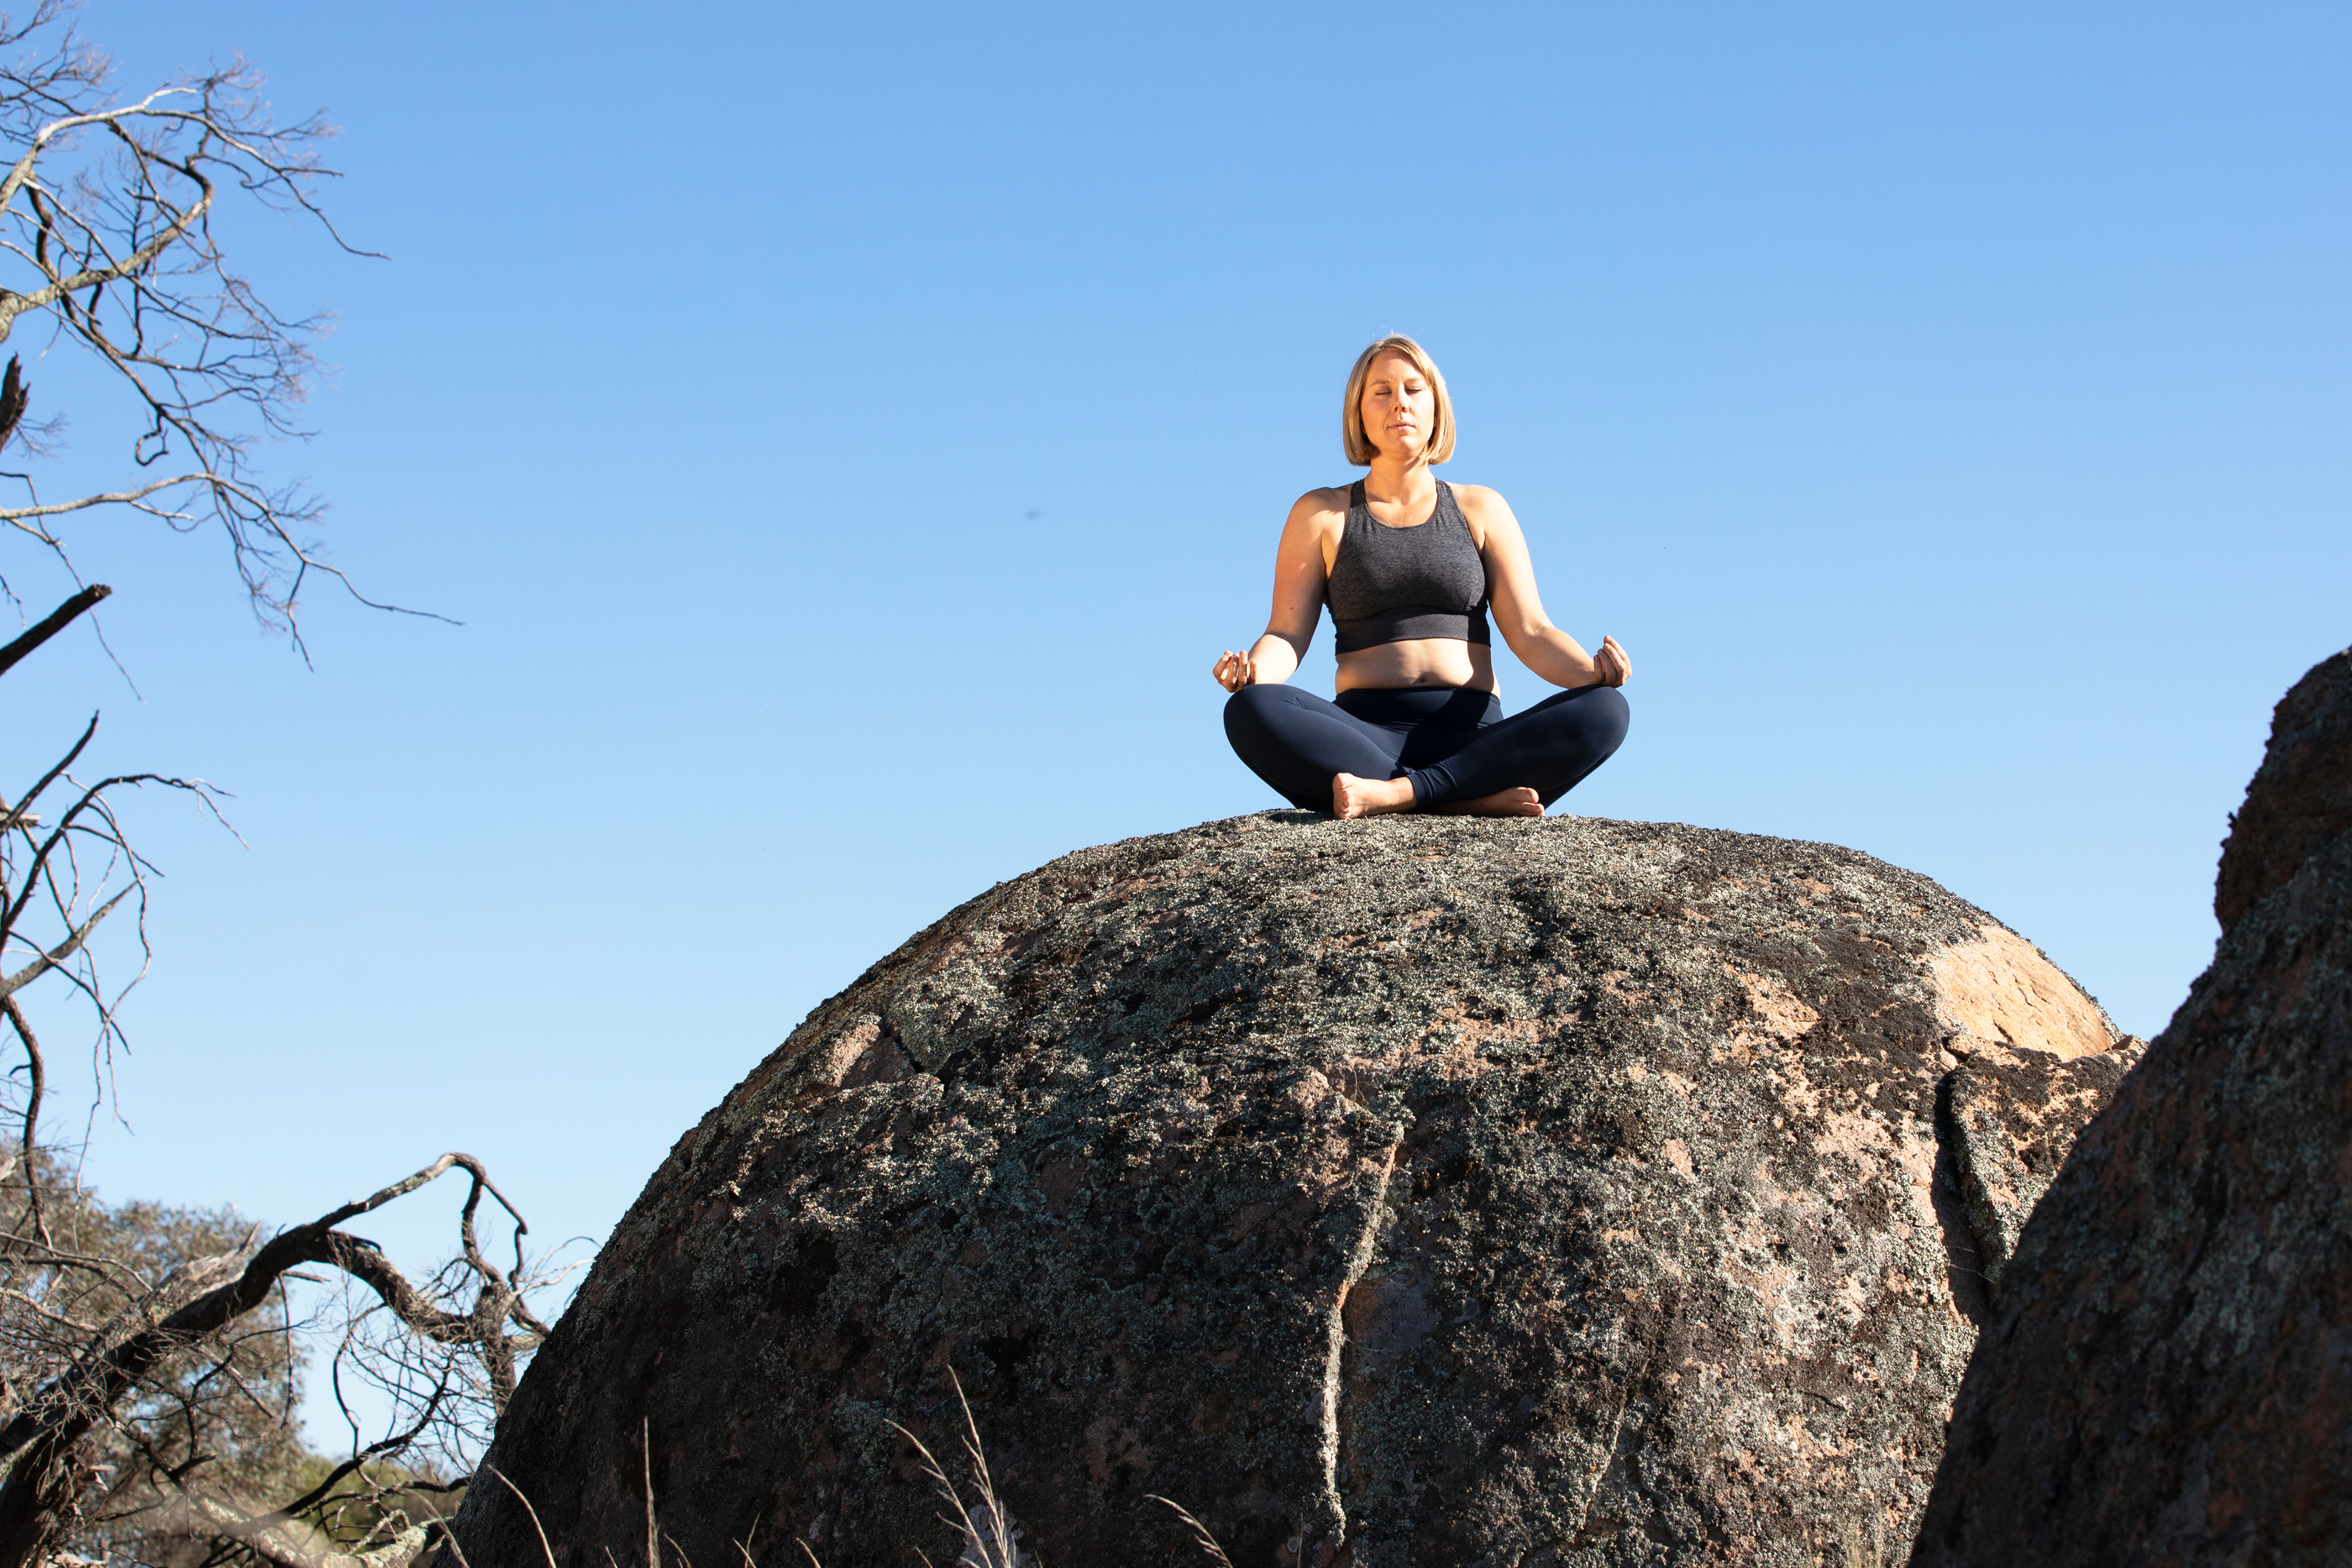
<point>1410,565</point>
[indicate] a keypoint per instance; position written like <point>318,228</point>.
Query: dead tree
<point>111,1375</point>
<point>48,1443</point>
<point>147,1375</point>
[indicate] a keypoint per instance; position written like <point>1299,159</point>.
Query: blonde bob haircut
<point>1359,447</point>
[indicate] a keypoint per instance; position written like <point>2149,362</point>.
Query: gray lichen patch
<point>1402,1191</point>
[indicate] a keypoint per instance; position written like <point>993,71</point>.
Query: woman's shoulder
<point>1327,504</point>
<point>1486,512</point>
<point>1482,505</point>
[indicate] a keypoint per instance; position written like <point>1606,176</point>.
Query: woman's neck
<point>1408,480</point>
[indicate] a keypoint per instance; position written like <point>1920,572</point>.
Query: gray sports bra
<point>1391,584</point>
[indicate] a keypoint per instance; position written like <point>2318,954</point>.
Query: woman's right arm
<point>1299,575</point>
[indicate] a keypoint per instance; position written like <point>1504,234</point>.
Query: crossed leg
<point>1321,757</point>
<point>1546,749</point>
<point>1354,796</point>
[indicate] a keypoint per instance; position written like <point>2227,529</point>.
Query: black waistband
<point>1464,706</point>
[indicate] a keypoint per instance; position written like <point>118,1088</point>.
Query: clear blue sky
<point>847,435</point>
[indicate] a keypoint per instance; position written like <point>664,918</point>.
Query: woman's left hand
<point>1612,663</point>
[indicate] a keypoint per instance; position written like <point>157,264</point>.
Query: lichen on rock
<point>1416,1190</point>
<point>2015,1115</point>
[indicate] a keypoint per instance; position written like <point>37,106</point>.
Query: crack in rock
<point>1335,1344</point>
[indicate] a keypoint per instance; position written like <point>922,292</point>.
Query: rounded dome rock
<point>1413,1190</point>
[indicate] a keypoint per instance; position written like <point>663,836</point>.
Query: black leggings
<point>1451,742</point>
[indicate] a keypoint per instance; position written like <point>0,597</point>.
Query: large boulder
<point>2169,1379</point>
<point>1417,1190</point>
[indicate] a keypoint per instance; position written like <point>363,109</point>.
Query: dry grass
<point>988,1538</point>
<point>1208,1542</point>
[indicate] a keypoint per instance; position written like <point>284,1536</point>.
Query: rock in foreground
<point>1416,1190</point>
<point>2300,800</point>
<point>2169,1380</point>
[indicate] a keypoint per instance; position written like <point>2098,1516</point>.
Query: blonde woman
<point>1410,565</point>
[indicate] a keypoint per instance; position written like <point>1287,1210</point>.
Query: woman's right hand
<point>1612,663</point>
<point>1234,671</point>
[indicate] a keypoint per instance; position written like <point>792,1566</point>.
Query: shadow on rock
<point>2168,1378</point>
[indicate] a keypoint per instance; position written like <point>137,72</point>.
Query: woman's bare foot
<point>1354,796</point>
<point>1519,801</point>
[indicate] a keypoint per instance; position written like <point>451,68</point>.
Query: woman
<point>1410,565</point>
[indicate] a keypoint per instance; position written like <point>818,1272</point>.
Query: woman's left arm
<point>1519,609</point>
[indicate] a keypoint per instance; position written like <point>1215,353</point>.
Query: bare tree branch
<point>36,1075</point>
<point>57,620</point>
<point>110,498</point>
<point>276,1542</point>
<point>63,951</point>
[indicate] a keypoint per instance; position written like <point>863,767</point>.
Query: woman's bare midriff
<point>1420,661</point>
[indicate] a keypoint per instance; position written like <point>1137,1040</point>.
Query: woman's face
<point>1399,408</point>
